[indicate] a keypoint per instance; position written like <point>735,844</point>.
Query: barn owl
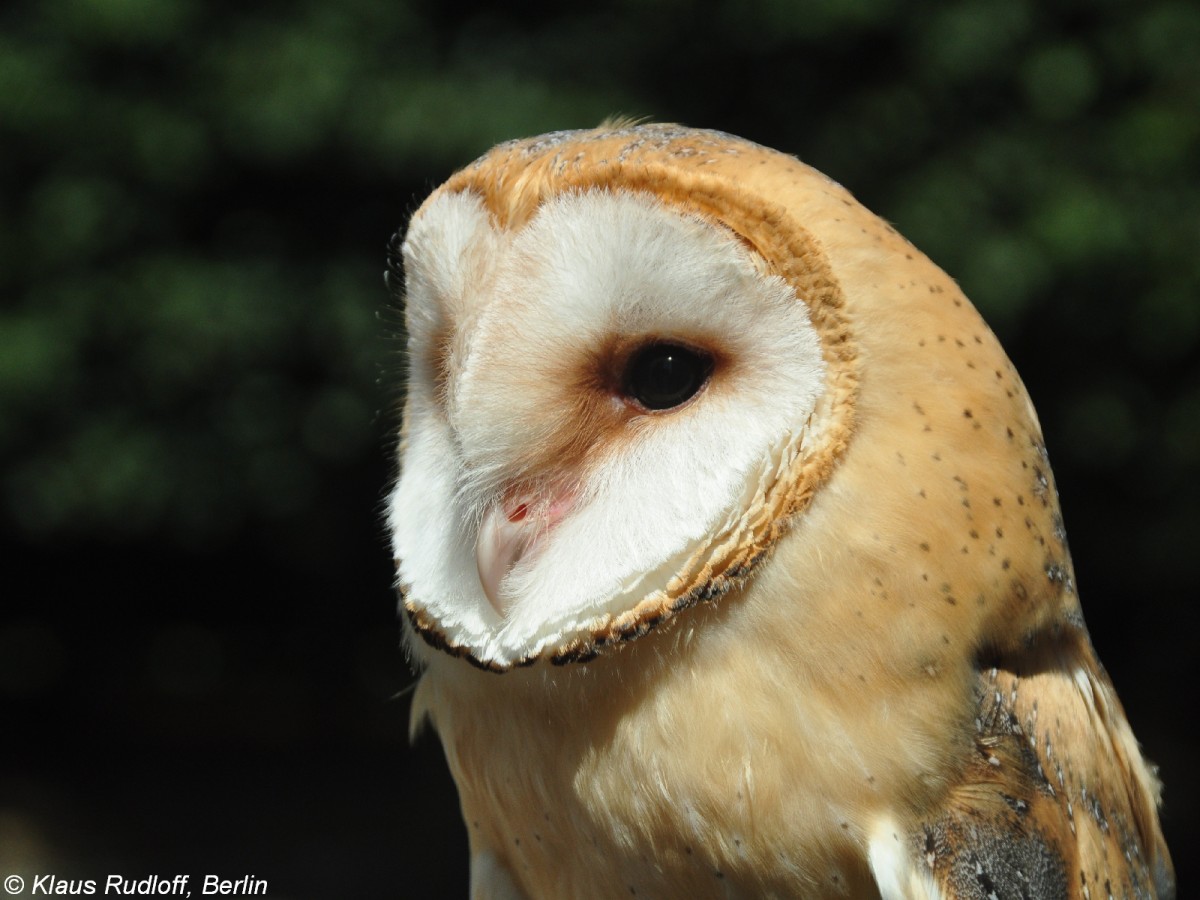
<point>729,551</point>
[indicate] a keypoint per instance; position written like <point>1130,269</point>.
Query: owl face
<point>601,398</point>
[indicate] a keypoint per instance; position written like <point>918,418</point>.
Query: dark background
<point>199,660</point>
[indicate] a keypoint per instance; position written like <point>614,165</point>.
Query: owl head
<point>641,357</point>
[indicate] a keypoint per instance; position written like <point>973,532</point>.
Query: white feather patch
<point>892,865</point>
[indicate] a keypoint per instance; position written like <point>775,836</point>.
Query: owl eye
<point>663,376</point>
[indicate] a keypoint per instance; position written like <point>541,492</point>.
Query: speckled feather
<point>880,686</point>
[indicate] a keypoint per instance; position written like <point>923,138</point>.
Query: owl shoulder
<point>1054,801</point>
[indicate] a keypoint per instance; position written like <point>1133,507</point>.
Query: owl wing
<point>1055,801</point>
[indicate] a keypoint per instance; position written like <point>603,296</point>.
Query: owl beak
<point>512,530</point>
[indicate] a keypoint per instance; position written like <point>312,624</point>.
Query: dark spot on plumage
<point>1016,804</point>
<point>985,880</point>
<point>1073,621</point>
<point>581,654</point>
<point>436,639</point>
<point>627,631</point>
<point>478,663</point>
<point>708,591</point>
<point>1058,575</point>
<point>1041,485</point>
<point>1092,803</point>
<point>1060,529</point>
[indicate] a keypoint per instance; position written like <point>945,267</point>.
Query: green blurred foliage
<point>198,360</point>
<point>194,198</point>
<point>189,333</point>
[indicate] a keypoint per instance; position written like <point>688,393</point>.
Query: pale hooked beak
<point>512,530</point>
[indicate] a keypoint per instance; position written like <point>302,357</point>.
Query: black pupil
<point>662,376</point>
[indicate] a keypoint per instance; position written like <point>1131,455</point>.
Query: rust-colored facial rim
<point>791,253</point>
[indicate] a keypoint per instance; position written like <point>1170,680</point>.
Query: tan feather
<point>877,683</point>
